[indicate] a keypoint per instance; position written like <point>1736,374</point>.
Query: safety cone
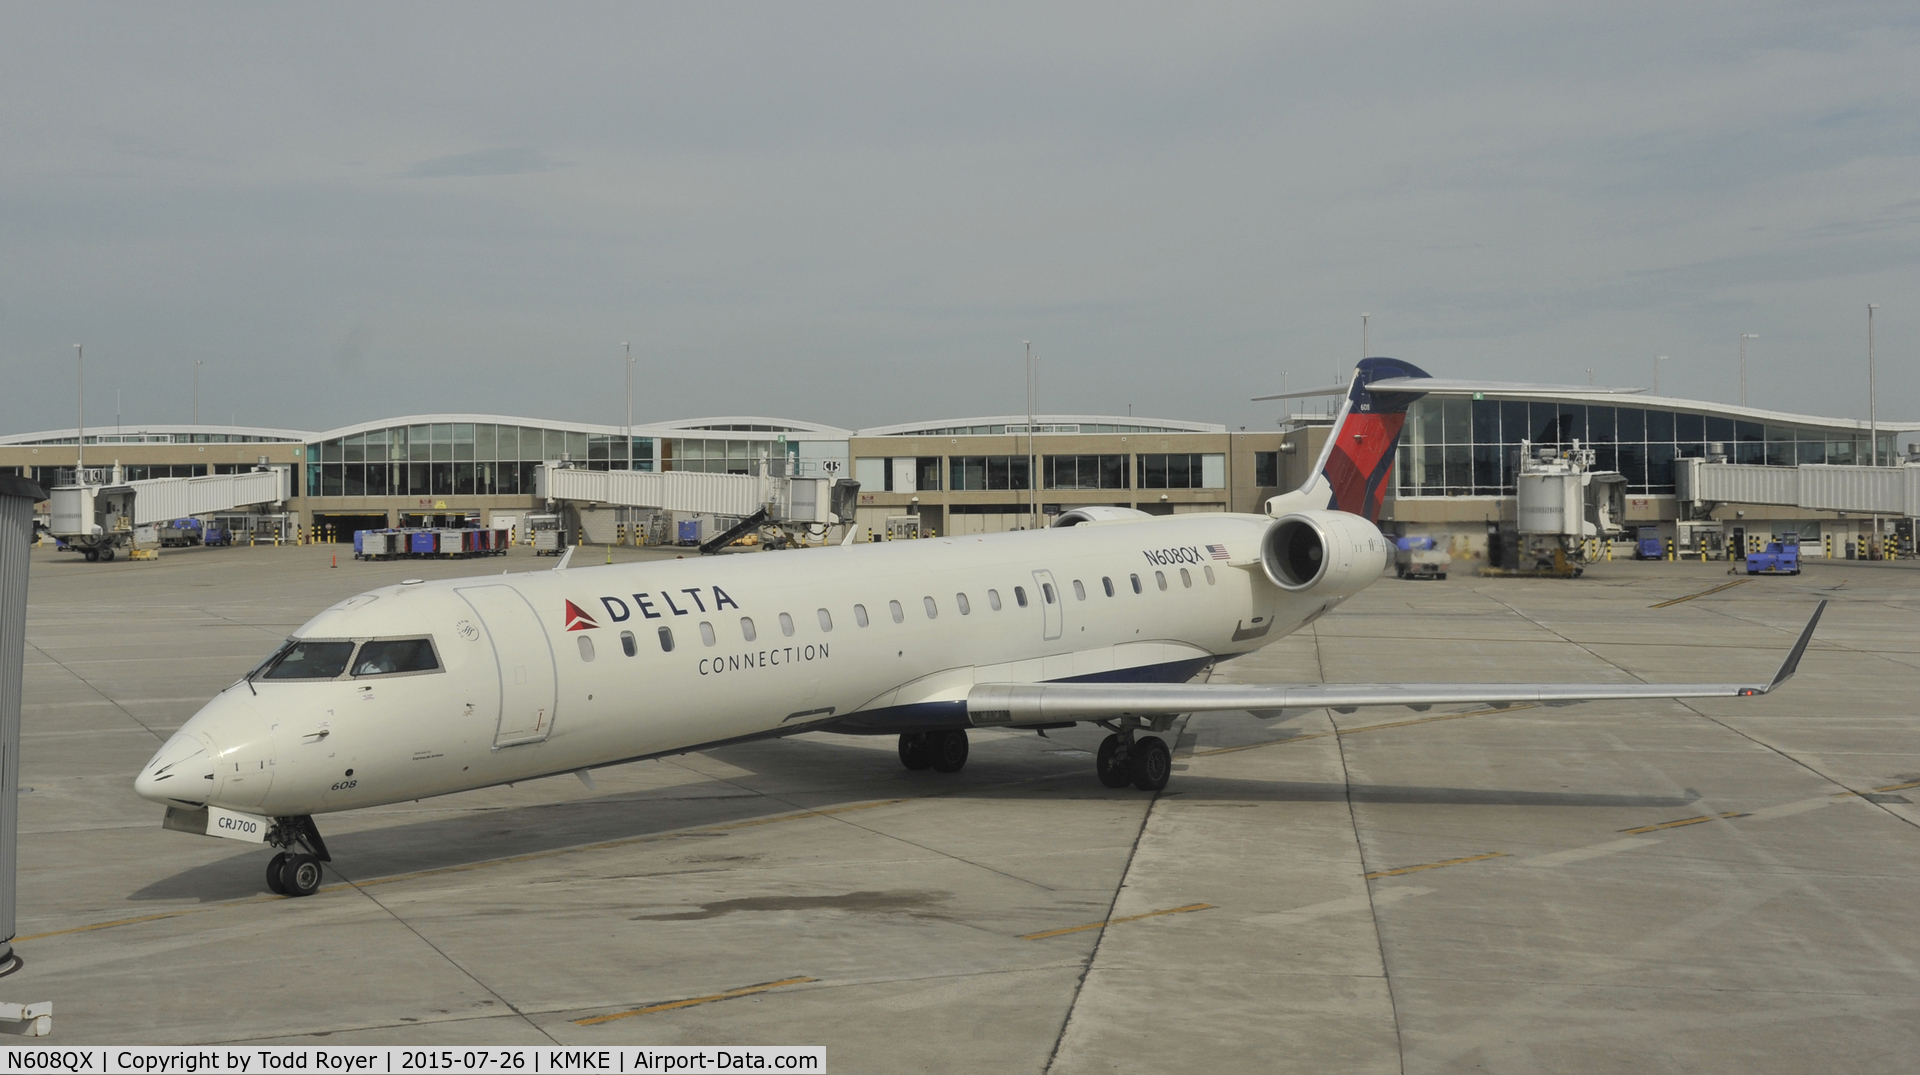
<point>336,560</point>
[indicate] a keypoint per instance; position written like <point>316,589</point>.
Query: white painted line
<point>1790,809</point>
<point>1343,905</point>
<point>1581,854</point>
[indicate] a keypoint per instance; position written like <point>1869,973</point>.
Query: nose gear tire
<point>276,867</point>
<point>301,875</point>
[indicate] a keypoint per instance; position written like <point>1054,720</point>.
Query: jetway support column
<point>17,498</point>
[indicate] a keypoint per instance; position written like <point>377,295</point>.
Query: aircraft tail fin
<point>1351,474</point>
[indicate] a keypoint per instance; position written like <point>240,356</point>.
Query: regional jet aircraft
<point>428,688</point>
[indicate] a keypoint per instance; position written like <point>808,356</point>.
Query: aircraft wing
<point>1045,703</point>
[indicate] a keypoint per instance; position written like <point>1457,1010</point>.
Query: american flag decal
<point>1219,551</point>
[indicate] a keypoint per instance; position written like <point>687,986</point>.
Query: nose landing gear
<point>296,873</point>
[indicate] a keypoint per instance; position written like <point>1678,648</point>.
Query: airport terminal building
<point>1455,474</point>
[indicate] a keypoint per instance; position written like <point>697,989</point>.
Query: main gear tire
<point>1151,762</point>
<point>1110,764</point>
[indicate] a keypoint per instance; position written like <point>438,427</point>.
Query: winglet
<point>565,558</point>
<point>1792,664</point>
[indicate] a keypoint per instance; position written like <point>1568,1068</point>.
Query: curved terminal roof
<point>164,434</point>
<point>750,425</point>
<point>994,425</point>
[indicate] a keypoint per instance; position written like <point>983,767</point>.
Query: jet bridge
<point>1815,486</point>
<point>795,506</point>
<point>98,516</point>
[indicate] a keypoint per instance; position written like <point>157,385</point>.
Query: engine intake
<point>1328,552</point>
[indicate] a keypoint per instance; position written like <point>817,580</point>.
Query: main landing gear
<point>943,752</point>
<point>1146,763</point>
<point>291,872</point>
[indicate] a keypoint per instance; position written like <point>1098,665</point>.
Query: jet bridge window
<point>395,656</point>
<point>309,660</point>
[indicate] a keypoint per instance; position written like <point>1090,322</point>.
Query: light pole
<point>1744,337</point>
<point>1033,388</point>
<point>1657,359</point>
<point>1363,340</point>
<point>1873,423</point>
<point>80,440</point>
<point>196,391</point>
<point>628,348</point>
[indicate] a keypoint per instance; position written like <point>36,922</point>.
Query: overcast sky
<point>855,214</point>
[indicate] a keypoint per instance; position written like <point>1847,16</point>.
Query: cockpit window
<point>310,660</point>
<point>394,656</point>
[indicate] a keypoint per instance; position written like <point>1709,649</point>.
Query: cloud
<point>517,160</point>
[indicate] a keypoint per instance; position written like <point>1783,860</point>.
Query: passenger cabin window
<point>388,658</point>
<point>960,599</point>
<point>933,610</point>
<point>627,645</point>
<point>826,619</point>
<point>1106,583</point>
<point>1020,596</point>
<point>706,633</point>
<point>1161,578</point>
<point>666,640</point>
<point>993,600</point>
<point>1136,583</point>
<point>1079,591</point>
<point>746,629</point>
<point>1208,568</point>
<point>586,647</point>
<point>1046,592</point>
<point>1186,578</point>
<point>860,615</point>
<point>310,660</point>
<point>899,614</point>
<point>786,625</point>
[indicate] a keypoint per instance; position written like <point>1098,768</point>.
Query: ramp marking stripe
<point>1113,922</point>
<point>1889,787</point>
<point>1435,865</point>
<point>1703,593</point>
<point>1704,818</point>
<point>691,1001</point>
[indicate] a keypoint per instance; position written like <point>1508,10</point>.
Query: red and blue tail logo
<point>1360,456</point>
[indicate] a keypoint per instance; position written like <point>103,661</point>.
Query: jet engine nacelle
<point>1328,552</point>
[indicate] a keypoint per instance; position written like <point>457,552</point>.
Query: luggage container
<point>450,544</point>
<point>420,543</point>
<point>689,531</point>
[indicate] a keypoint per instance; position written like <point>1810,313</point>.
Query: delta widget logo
<point>578,620</point>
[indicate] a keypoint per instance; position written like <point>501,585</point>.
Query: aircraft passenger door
<point>1052,603</point>
<point>524,657</point>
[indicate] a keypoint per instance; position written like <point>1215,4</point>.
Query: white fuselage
<point>535,675</point>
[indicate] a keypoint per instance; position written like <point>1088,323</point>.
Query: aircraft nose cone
<point>180,772</point>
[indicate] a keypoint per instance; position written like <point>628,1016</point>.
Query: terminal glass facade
<point>458,459</point>
<point>1453,446</point>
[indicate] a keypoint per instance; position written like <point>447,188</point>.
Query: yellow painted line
<point>468,866</point>
<point>1889,787</point>
<point>1703,593</point>
<point>1363,728</point>
<point>745,991</point>
<point>1435,865</point>
<point>1114,922</point>
<point>1704,818</point>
